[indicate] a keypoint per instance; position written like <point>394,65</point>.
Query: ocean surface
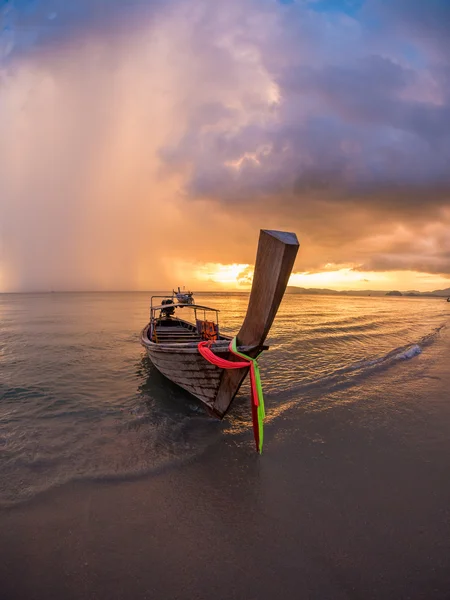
<point>79,400</point>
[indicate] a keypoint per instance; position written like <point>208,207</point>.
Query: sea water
<point>79,399</point>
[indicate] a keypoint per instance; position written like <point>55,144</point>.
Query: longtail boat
<point>176,346</point>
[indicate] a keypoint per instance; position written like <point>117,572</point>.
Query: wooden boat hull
<point>181,361</point>
<point>186,367</point>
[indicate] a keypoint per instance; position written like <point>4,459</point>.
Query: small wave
<point>39,478</point>
<point>349,374</point>
<point>141,443</point>
<point>344,327</point>
<point>409,353</point>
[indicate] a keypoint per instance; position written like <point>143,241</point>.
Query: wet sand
<point>342,504</point>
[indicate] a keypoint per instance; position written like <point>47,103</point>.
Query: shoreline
<point>338,506</point>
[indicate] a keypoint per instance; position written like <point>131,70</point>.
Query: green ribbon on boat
<point>257,396</point>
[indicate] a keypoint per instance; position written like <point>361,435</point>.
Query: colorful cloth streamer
<point>258,412</point>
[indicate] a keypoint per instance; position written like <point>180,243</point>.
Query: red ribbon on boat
<point>258,412</point>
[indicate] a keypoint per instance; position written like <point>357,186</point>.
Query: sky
<point>144,143</point>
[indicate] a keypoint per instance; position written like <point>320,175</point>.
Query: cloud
<point>129,126</point>
<point>32,25</point>
<point>426,24</point>
<point>245,277</point>
<point>341,125</point>
<point>359,127</point>
<point>425,248</point>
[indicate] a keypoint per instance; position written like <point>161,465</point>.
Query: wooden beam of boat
<point>275,259</point>
<point>184,305</point>
<point>172,342</point>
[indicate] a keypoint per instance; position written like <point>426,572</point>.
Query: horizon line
<point>226,291</point>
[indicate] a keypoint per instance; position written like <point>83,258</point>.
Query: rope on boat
<point>258,412</point>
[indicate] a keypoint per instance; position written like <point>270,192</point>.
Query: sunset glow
<point>216,276</point>
<point>230,275</point>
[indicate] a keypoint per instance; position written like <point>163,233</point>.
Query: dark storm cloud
<point>424,248</point>
<point>369,93</point>
<point>349,122</point>
<point>438,264</point>
<point>362,124</point>
<point>335,124</point>
<point>358,126</point>
<point>426,22</point>
<point>29,25</point>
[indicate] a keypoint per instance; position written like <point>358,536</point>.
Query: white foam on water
<point>409,353</point>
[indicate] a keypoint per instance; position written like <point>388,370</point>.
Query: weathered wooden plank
<point>176,354</point>
<point>175,340</point>
<point>189,373</point>
<point>178,333</point>
<point>169,338</point>
<point>185,367</point>
<point>200,382</point>
<point>274,262</point>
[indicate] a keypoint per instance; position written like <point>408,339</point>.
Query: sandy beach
<point>340,505</point>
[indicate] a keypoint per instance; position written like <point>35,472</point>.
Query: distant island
<point>395,293</point>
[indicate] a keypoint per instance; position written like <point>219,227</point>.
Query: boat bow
<point>277,251</point>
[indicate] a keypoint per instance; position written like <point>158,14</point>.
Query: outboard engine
<point>167,312</point>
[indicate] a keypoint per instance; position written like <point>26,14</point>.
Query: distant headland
<point>395,293</point>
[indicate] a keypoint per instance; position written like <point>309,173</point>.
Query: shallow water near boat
<point>80,400</point>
